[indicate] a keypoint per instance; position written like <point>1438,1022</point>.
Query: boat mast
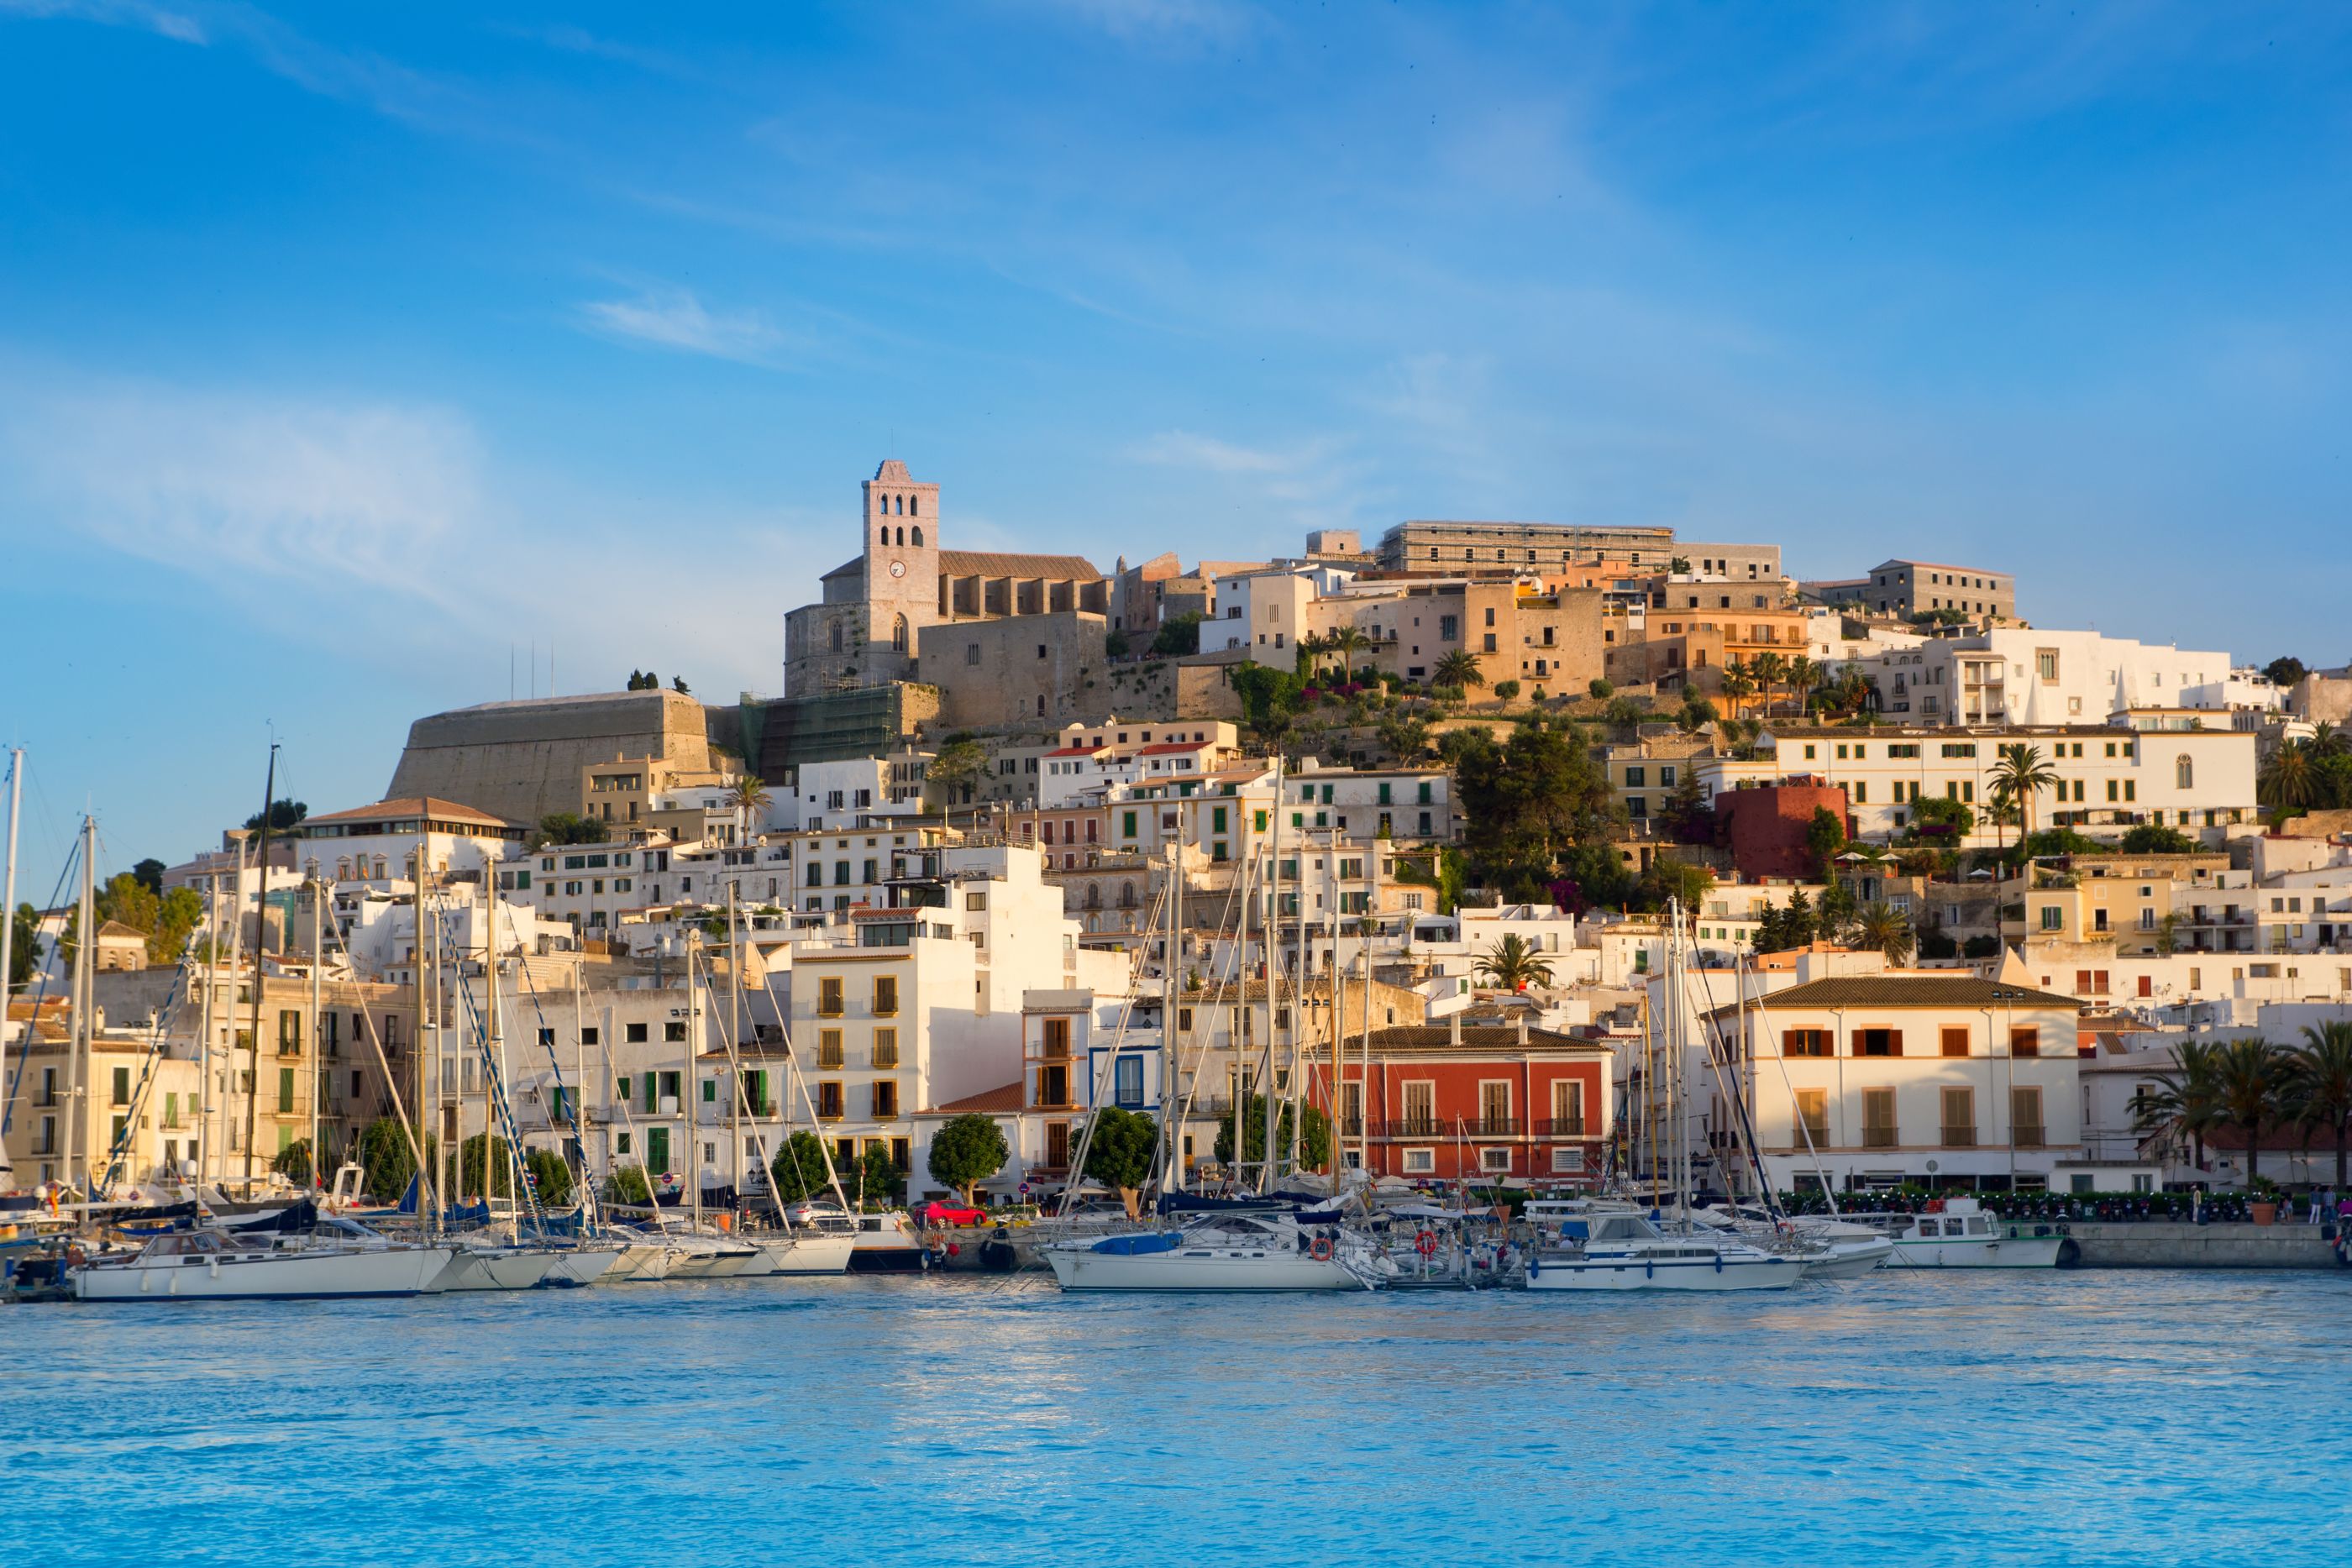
<point>205,1040</point>
<point>1339,1002</point>
<point>685,1085</point>
<point>1266,931</point>
<point>580,1078</point>
<point>318,1038</point>
<point>735,1042</point>
<point>1364,1044</point>
<point>82,992</point>
<point>1171,1178</point>
<point>8,929</point>
<point>427,1090</point>
<point>497,1055</point>
<point>260,935</point>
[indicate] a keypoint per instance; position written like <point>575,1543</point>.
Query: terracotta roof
<point>999,563</point>
<point>116,928</point>
<point>427,806</point>
<point>1474,1037</point>
<point>1158,747</point>
<point>990,1100</point>
<point>1903,991</point>
<point>1078,751</point>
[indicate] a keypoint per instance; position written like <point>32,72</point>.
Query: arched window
<point>899,635</point>
<point>1041,705</point>
<point>1127,895</point>
<point>836,634</point>
<point>918,538</point>
<point>902,536</point>
<point>902,505</point>
<point>885,528</point>
<point>915,508</point>
<point>2184,772</point>
<point>1094,896</point>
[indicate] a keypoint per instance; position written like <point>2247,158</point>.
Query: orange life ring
<point>1426,1243</point>
<point>1321,1249</point>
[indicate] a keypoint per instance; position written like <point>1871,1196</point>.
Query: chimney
<point>1453,1025</point>
<point>1523,1032</point>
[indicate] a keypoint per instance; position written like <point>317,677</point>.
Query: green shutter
<point>285,1089</point>
<point>653,1094</point>
<point>1127,825</point>
<point>657,1150</point>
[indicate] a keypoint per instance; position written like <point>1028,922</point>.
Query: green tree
<point>2254,1076</point>
<point>386,1159</point>
<point>2157,838</point>
<point>2284,670</point>
<point>471,1176</point>
<point>1672,879</point>
<point>283,814</point>
<point>1314,1135</point>
<point>1458,668</point>
<point>2322,1088</point>
<point>750,797</point>
<point>1623,714</point>
<point>1825,840</point>
<point>628,1185</point>
<point>1121,1150</point>
<point>572,828</point>
<point>2018,778</point>
<point>1940,819</point>
<point>1524,803</point>
<point>1598,690</point>
<point>293,1162</point>
<point>24,947</point>
<point>1687,814</point>
<point>149,873</point>
<point>1512,964</point>
<point>2290,778</point>
<point>678,683</point>
<point>1696,714</point>
<point>799,1169</point>
<point>966,1151</point>
<point>879,1179</point>
<point>1179,635</point>
<point>1506,690</point>
<point>551,1177</point>
<point>959,768</point>
<point>1884,928</point>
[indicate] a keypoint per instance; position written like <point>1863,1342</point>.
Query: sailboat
<point>296,1254</point>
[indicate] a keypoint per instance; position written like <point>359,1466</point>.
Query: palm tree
<point>1739,683</point>
<point>2287,779</point>
<point>1803,676</point>
<point>1310,648</point>
<point>2326,740</point>
<point>2017,778</point>
<point>1885,928</point>
<point>748,796</point>
<point>1514,966</point>
<point>1459,668</point>
<point>1770,670</point>
<point>2253,1077</point>
<point>2322,1085</point>
<point>2186,1099</point>
<point>1346,642</point>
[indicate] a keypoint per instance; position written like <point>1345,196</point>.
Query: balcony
<point>1878,1138</point>
<point>830,1058</point>
<point>1813,1134</point>
<point>1475,1127</point>
<point>1962,1136</point>
<point>2027,1136</point>
<point>885,1057</point>
<point>1574,1127</point>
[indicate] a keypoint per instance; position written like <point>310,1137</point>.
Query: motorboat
<point>1628,1251</point>
<point>806,1252</point>
<point>1833,1248</point>
<point>339,1259</point>
<point>1956,1233</point>
<point>1232,1250</point>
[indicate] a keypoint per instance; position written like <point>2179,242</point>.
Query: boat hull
<point>898,1258</point>
<point>1085,1269</point>
<point>519,1269</point>
<point>315,1275</point>
<point>1850,1260</point>
<point>1770,1273</point>
<point>811,1254</point>
<point>1978,1252</point>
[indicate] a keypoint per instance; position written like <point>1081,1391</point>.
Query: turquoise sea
<point>2078,1417</point>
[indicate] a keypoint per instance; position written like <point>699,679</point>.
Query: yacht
<point>338,1259</point>
<point>489,1263</point>
<point>808,1251</point>
<point>1623,1251</point>
<point>1956,1233</point>
<point>1227,1251</point>
<point>1833,1248</point>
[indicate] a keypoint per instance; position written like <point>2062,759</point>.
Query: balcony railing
<point>886,1056</point>
<point>1816,1134</point>
<point>2027,1136</point>
<point>1959,1136</point>
<point>1878,1137</point>
<point>830,1057</point>
<point>1574,1127</point>
<point>1477,1127</point>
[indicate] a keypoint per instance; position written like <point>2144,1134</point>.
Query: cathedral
<point>865,629</point>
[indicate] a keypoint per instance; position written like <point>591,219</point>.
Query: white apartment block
<point>2110,778</point>
<point>2034,676</point>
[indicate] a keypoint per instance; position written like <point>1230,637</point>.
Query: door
<point>657,1150</point>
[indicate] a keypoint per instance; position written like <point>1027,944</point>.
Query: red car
<point>952,1214</point>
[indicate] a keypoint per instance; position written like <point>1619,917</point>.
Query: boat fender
<point>1718,1263</point>
<point>1426,1243</point>
<point>1321,1250</point>
<point>954,1250</point>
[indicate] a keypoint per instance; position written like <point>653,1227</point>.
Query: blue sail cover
<point>1139,1246</point>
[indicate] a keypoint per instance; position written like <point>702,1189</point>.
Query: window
<point>1878,1125</point>
<point>886,1047</point>
<point>2025,1039</point>
<point>1954,1039</point>
<point>886,995</point>
<point>885,1098</point>
<point>1568,1161</point>
<point>1878,1042</point>
<point>1421,1107</point>
<point>828,1049</point>
<point>1567,1108</point>
<point>1959,1122</point>
<point>674,1032</point>
<point>1129,1083</point>
<point>1493,1159</point>
<point>2052,918</point>
<point>1422,1162</point>
<point>1813,1126</point>
<point>829,1101</point>
<point>2025,1130</point>
<point>2184,772</point>
<point>1806,1043</point>
<point>636,1032</point>
<point>828,997</point>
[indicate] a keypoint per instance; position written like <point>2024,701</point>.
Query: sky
<point>365,360</point>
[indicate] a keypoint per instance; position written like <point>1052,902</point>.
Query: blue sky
<point>345,350</point>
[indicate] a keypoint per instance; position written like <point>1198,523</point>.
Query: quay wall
<point>2158,1244</point>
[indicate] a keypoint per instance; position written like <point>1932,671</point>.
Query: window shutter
<point>1893,1042</point>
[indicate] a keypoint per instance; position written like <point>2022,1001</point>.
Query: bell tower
<point>902,567</point>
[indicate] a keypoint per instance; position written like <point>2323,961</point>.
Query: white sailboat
<point>1622,1251</point>
<point>1234,1250</point>
<point>340,1259</point>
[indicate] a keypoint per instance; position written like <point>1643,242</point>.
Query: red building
<point>1765,828</point>
<point>1484,1100</point>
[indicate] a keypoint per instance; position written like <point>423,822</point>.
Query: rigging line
<point>32,1023</point>
<point>494,1087</point>
<point>1232,956</point>
<point>1111,1063</point>
<point>1718,1051</point>
<point>136,1102</point>
<point>546,1041</point>
<point>425,1183</point>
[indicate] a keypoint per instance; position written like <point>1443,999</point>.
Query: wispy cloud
<point>1165,22</point>
<point>170,24</point>
<point>1184,449</point>
<point>675,319</point>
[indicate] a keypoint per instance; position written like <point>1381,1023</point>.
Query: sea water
<point>2064,1418</point>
